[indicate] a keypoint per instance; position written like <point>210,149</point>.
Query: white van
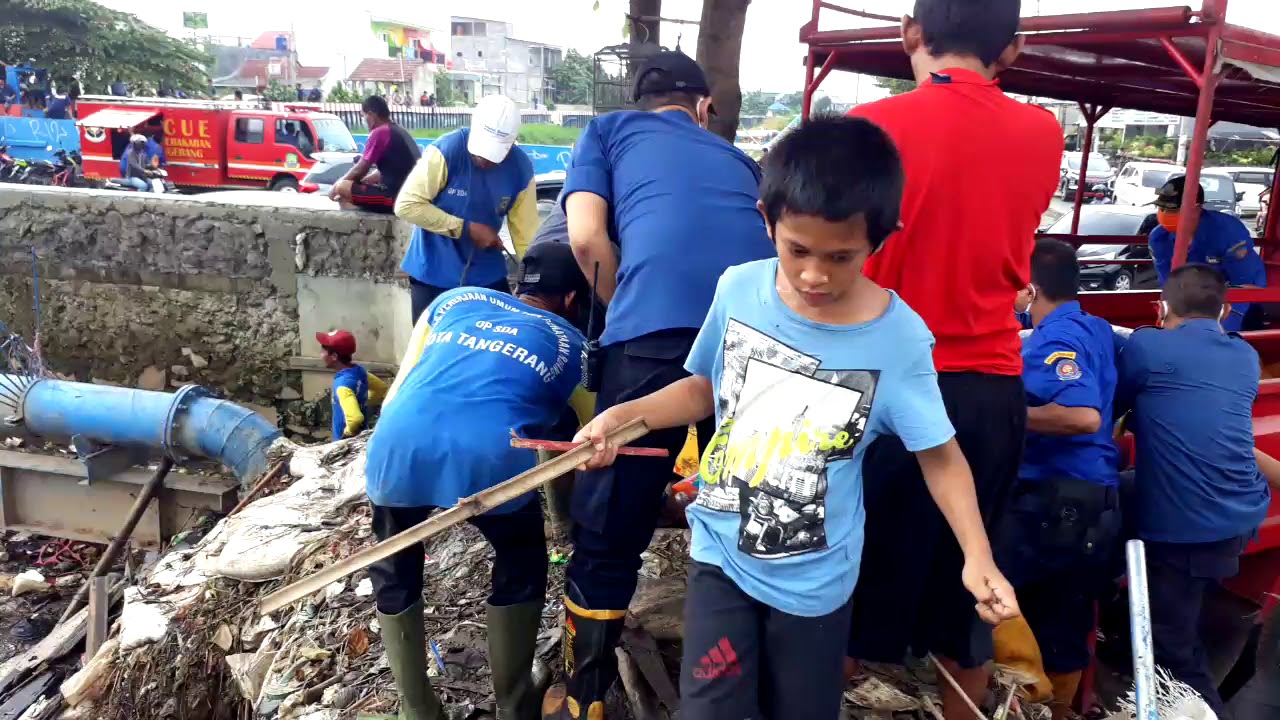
<point>1138,182</point>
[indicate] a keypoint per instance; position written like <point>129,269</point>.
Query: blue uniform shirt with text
<point>797,404</point>
<point>1070,360</point>
<point>1191,390</point>
<point>1221,241</point>
<point>491,365</point>
<point>683,209</point>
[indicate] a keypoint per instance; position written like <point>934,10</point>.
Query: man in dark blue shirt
<point>1199,495</point>
<point>1064,520</point>
<point>1218,239</point>
<point>681,203</point>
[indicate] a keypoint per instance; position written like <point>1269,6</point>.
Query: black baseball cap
<point>1169,196</point>
<point>676,72</point>
<point>550,268</point>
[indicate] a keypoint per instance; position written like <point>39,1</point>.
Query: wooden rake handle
<point>467,507</point>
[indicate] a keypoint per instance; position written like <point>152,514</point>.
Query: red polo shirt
<point>981,169</point>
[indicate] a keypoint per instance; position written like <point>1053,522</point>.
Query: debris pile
<point>189,642</point>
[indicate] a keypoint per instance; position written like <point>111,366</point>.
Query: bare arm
<point>357,171</point>
<point>950,482</point>
<point>588,220</point>
<point>681,403</point>
<point>1269,467</point>
<point>1055,419</point>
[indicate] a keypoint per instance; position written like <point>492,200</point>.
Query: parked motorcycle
<point>159,180</point>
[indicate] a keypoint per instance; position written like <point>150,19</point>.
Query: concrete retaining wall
<point>159,291</point>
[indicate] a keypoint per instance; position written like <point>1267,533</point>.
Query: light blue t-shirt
<point>492,365</point>
<point>797,403</point>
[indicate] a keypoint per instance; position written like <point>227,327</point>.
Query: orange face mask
<point>1168,219</point>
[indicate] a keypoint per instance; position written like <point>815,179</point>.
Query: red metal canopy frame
<point>1168,60</point>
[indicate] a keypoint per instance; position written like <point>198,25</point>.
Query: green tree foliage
<point>822,105</point>
<point>757,102</point>
<point>445,94</point>
<point>340,94</point>
<point>280,92</point>
<point>895,86</point>
<point>84,40</point>
<point>573,79</point>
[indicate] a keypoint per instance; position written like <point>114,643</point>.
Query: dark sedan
<point>1113,220</point>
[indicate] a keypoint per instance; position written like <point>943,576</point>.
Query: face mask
<point>1168,220</point>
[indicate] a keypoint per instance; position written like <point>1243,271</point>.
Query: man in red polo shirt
<point>981,169</point>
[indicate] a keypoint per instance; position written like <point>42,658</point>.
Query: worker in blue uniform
<point>1199,494</point>
<point>1219,240</point>
<point>1063,524</point>
<point>479,366</point>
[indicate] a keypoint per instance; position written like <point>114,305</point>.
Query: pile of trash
<point>189,641</point>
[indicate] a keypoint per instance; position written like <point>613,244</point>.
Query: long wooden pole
<point>145,495</point>
<point>467,507</point>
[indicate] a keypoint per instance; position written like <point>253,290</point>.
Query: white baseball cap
<point>495,122</point>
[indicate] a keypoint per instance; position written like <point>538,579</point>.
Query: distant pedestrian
<point>424,99</point>
<point>239,96</point>
<point>315,95</point>
<point>302,94</point>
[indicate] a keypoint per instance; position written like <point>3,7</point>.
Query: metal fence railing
<point>414,118</point>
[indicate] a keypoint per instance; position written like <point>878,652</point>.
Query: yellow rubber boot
<point>1065,686</point>
<point>1016,647</point>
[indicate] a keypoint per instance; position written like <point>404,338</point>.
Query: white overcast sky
<point>772,55</point>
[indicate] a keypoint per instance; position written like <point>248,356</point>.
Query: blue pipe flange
<point>181,401</point>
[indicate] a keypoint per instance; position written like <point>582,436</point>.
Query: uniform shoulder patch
<point>1067,369</point>
<point>1059,355</point>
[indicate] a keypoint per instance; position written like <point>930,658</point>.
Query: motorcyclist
<point>136,173</point>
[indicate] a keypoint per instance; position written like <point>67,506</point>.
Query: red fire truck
<point>1169,60</point>
<point>209,143</point>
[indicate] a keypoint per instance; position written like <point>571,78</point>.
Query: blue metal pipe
<point>188,422</point>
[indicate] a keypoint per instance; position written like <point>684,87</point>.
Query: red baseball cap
<point>339,341</point>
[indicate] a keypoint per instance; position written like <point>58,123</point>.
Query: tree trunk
<point>645,30</point>
<point>719,51</point>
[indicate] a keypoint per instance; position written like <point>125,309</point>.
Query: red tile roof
<point>260,69</point>
<point>385,70</point>
<point>267,40</point>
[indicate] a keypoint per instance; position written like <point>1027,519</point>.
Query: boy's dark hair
<point>983,28</point>
<point>377,105</point>
<point>1055,270</point>
<point>835,168</point>
<point>1195,290</point>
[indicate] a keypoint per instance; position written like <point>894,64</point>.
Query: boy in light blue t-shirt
<point>804,362</point>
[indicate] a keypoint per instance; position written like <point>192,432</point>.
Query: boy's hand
<point>595,432</point>
<point>996,600</point>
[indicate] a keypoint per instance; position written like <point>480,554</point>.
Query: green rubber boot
<point>406,645</point>
<point>513,633</point>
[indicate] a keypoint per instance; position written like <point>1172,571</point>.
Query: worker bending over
<point>803,361</point>
<point>458,195</point>
<point>1056,543</point>
<point>1217,239</point>
<point>479,366</point>
<point>1200,497</point>
<point>683,203</point>
<point>354,388</point>
<point>963,254</point>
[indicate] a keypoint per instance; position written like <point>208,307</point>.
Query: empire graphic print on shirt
<point>782,422</point>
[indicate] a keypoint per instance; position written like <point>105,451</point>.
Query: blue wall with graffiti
<point>28,137</point>
<point>546,158</point>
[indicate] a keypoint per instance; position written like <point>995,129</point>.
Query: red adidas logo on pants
<point>720,661</point>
